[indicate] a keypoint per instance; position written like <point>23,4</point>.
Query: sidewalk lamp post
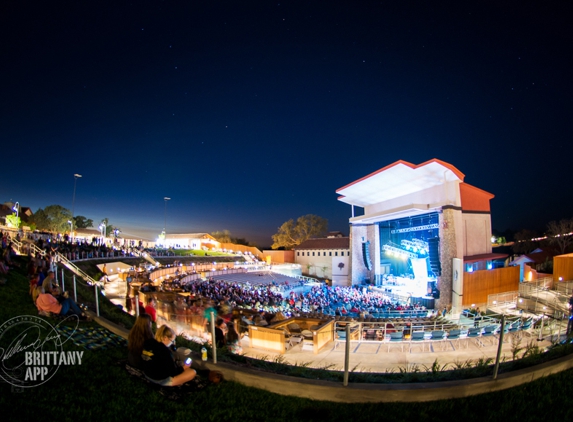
<point>71,228</point>
<point>76,177</point>
<point>102,227</point>
<point>16,208</point>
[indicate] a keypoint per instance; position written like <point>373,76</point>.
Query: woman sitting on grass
<point>140,332</point>
<point>159,364</point>
<point>59,304</point>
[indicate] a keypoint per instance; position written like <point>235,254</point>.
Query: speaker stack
<point>434,255</point>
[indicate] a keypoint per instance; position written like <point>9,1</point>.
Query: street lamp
<point>102,227</point>
<point>165,219</point>
<point>76,177</point>
<point>16,208</point>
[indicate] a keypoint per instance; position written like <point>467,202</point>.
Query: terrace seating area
<point>263,277</point>
<point>427,334</point>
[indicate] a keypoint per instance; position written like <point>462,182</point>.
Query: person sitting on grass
<point>58,304</point>
<point>220,332</point>
<point>140,332</point>
<point>233,340</point>
<point>159,364</point>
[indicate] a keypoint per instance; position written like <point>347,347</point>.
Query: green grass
<point>198,252</point>
<point>101,390</point>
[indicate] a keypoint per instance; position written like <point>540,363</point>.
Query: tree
<point>524,242</point>
<point>561,233</point>
<point>241,241</point>
<point>53,218</point>
<point>292,234</point>
<point>13,221</point>
<point>223,236</point>
<point>81,222</point>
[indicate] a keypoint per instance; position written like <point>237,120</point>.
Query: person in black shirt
<point>159,363</point>
<point>220,332</point>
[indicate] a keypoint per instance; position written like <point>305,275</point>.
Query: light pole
<point>102,229</point>
<point>76,177</point>
<point>16,208</point>
<point>165,219</point>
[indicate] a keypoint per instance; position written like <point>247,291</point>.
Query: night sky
<point>249,113</point>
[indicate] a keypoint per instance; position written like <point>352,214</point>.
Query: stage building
<point>420,228</point>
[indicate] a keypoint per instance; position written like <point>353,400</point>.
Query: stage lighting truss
<point>417,246</point>
<point>398,252</point>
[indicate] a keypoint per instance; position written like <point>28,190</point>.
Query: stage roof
<point>398,179</point>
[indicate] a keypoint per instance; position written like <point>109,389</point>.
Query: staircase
<point>147,257</point>
<point>59,258</point>
<point>77,271</point>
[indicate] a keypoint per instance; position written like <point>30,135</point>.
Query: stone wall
<point>448,251</point>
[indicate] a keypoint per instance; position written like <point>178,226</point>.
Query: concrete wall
<point>477,233</point>
<point>323,264</point>
<point>279,257</point>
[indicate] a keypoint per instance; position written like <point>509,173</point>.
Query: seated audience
<point>140,332</point>
<point>58,304</point>
<point>220,332</point>
<point>159,365</point>
<point>234,340</point>
<point>150,309</point>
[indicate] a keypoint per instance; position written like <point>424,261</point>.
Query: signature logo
<point>31,350</point>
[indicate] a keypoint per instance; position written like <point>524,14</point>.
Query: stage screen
<point>407,256</point>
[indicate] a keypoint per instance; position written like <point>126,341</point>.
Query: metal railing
<point>146,256</point>
<point>74,269</point>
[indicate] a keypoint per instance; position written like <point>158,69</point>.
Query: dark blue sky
<point>250,113</point>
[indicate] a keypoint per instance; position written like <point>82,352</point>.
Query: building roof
<point>189,236</point>
<point>484,257</point>
<point>539,257</point>
<point>398,179</point>
<point>325,243</point>
<point>87,232</point>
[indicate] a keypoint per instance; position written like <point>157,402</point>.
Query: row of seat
<point>438,337</point>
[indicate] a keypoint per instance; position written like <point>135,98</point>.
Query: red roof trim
<point>491,195</point>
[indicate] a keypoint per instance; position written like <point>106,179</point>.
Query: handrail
<point>77,271</point>
<point>147,257</point>
<point>37,250</point>
<point>16,243</point>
